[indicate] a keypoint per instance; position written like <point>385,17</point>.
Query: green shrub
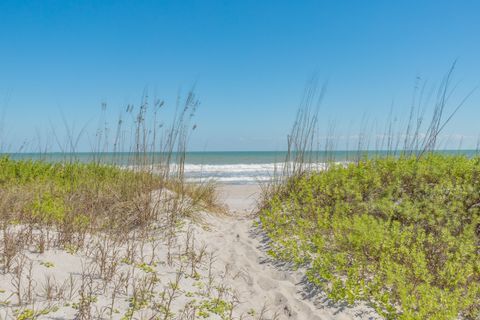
<point>74,197</point>
<point>402,234</point>
<point>48,209</point>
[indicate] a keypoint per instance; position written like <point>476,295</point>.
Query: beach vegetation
<point>397,227</point>
<point>402,233</point>
<point>119,220</point>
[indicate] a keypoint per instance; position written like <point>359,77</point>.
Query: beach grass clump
<point>62,203</point>
<point>402,234</point>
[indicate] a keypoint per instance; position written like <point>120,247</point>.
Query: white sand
<point>233,267</point>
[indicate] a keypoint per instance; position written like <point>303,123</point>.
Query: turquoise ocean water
<point>238,167</point>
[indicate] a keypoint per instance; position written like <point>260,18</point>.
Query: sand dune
<point>223,258</point>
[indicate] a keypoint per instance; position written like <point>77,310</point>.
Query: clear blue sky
<point>250,60</point>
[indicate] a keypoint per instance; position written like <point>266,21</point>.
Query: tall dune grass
<point>139,187</point>
<point>398,229</point>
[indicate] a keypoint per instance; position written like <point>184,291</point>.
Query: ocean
<point>233,167</point>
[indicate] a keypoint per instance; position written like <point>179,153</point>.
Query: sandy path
<point>259,283</point>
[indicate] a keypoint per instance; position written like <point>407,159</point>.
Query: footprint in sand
<point>266,284</point>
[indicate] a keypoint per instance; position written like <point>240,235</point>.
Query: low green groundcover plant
<point>402,234</point>
<point>75,199</point>
<point>72,197</point>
